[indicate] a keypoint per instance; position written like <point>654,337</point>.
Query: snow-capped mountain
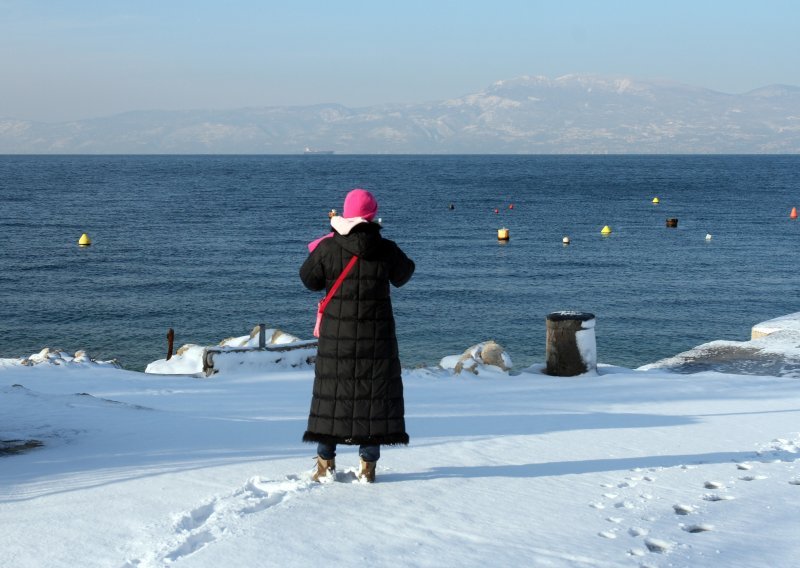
<point>569,114</point>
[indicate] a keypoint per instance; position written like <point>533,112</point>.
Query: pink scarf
<point>313,244</point>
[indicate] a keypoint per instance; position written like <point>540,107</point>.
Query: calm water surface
<point>211,245</point>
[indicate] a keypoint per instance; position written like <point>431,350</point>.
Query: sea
<point>210,246</point>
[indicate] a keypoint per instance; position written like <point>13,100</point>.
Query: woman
<point>358,389</point>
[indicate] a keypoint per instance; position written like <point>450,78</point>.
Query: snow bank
<point>790,322</point>
<point>773,351</point>
<point>630,469</point>
<point>188,360</point>
<point>236,361</point>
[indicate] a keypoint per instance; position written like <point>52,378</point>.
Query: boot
<point>367,471</point>
<point>324,469</point>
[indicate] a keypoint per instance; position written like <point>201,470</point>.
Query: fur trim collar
<point>343,225</point>
<point>398,439</point>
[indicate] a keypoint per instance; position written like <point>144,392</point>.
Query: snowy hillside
<point>618,468</point>
<point>569,114</point>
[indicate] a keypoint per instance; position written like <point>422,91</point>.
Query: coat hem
<point>390,440</point>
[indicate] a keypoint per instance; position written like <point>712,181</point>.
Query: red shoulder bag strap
<point>323,303</point>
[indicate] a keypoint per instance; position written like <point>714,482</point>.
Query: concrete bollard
<point>571,346</point>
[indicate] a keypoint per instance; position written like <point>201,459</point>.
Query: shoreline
<point>773,350</point>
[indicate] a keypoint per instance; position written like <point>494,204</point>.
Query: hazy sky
<point>63,60</point>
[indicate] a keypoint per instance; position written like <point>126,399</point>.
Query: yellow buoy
<point>84,241</point>
<point>606,230</point>
<point>502,234</point>
<point>656,200</point>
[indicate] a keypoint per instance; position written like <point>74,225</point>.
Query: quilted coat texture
<point>358,389</point>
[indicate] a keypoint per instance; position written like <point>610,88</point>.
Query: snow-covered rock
<point>274,337</point>
<point>48,356</point>
<point>487,355</point>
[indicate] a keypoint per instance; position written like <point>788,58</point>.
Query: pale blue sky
<point>83,58</point>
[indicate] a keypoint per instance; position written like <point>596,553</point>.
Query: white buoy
<point>565,240</point>
<point>708,236</point>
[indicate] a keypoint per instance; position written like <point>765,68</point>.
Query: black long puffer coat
<point>358,389</point>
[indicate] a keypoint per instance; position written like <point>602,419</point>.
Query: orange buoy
<point>511,206</point>
<point>793,214</point>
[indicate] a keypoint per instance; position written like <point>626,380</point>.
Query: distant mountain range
<point>571,114</point>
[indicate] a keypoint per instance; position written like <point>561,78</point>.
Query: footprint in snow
<point>203,525</point>
<point>698,528</point>
<point>681,509</point>
<point>191,545</point>
<point>794,481</point>
<point>753,477</point>
<point>349,475</point>
<point>195,517</point>
<point>638,531</point>
<point>744,466</point>
<point>713,485</point>
<point>717,497</point>
<point>657,545</point>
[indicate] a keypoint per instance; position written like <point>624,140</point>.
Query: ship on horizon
<point>317,152</point>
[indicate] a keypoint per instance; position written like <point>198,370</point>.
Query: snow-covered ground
<point>621,467</point>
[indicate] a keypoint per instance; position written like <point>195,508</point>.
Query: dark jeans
<point>367,453</point>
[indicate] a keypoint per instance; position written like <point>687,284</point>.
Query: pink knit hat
<point>359,206</point>
<point>360,203</point>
